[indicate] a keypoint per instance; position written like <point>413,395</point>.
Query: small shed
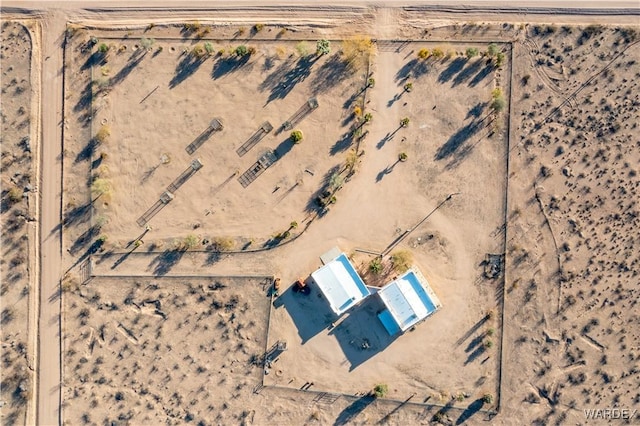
<point>340,284</point>
<point>408,300</point>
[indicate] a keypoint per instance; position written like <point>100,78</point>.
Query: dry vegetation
<point>17,210</point>
<point>163,351</point>
<point>573,227</point>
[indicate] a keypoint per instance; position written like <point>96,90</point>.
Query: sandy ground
<point>570,296</point>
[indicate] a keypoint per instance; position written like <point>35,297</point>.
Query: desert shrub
<point>208,47</point>
<point>488,344</point>
<point>323,47</point>
<point>375,266</point>
<point>499,59</point>
<point>192,26</point>
<point>356,51</point>
<point>487,398</point>
<point>251,50</point>
<point>258,27</point>
<point>14,194</point>
<point>189,242</point>
<point>101,186</point>
<point>471,52</point>
<point>223,244</point>
<point>401,259</point>
<point>498,104</point>
<point>335,182</point>
<point>404,122</point>
<point>371,82</point>
<point>423,53</point>
<point>437,53</point>
<point>103,134</point>
<point>380,390</point>
<point>491,331</point>
<point>241,50</point>
<point>352,159</point>
<point>303,49</point>
<point>368,117</point>
<point>296,136</point>
<point>147,42</point>
<point>197,51</point>
<point>357,111</point>
<point>403,156</point>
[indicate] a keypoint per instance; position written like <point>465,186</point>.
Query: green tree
<point>258,27</point>
<point>323,47</point>
<point>404,122</point>
<point>103,48</point>
<point>498,104</point>
<point>15,194</point>
<point>208,47</point>
<point>371,82</point>
<point>241,50</point>
<point>368,117</point>
<point>487,398</point>
<point>296,136</point>
<point>408,87</point>
<point>423,53</point>
<point>402,156</point>
<point>492,50</point>
<point>380,390</point>
<point>499,59</point>
<point>471,52</point>
<point>375,266</point>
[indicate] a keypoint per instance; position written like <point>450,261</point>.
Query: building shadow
<point>310,312</point>
<point>353,410</point>
<point>361,335</point>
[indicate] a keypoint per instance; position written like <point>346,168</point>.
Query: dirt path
<point>49,365</point>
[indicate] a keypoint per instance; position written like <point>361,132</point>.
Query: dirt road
<point>49,358</point>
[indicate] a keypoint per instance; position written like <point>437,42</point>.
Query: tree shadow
<point>485,72</point>
<point>313,204</point>
<point>284,79</point>
<point>96,58</point>
<point>472,409</point>
<point>452,69</point>
<point>87,152</point>
<point>345,141</point>
<point>387,170</point>
<point>477,110</point>
<point>309,312</point>
<point>353,410</point>
<point>361,335</point>
<point>474,343</point>
<point>457,139</point>
<point>134,61</point>
<point>224,66</point>
<point>188,65</point>
<point>165,261</point>
<point>284,147</point>
<point>414,68</point>
<point>467,72</point>
<point>472,330</point>
<point>475,354</point>
<point>330,74</point>
<point>86,97</point>
<point>84,239</point>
